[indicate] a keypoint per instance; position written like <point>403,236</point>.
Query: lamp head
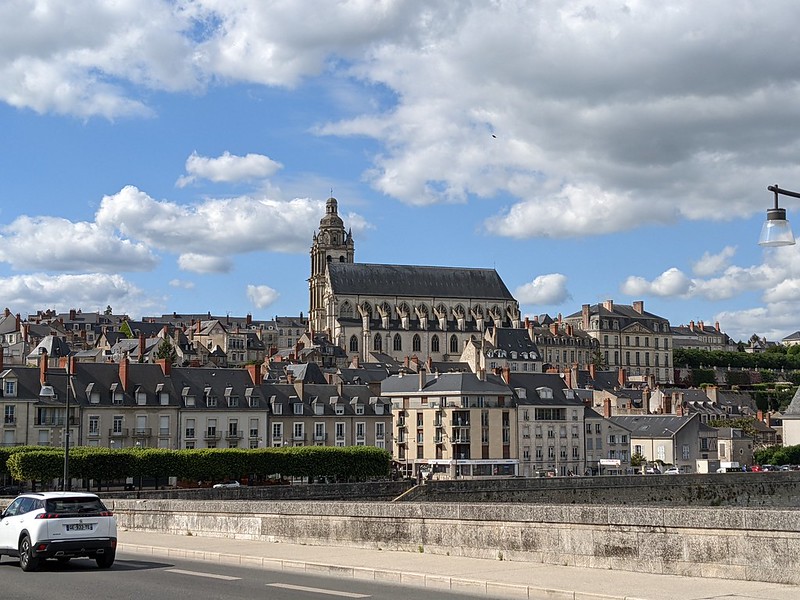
<point>776,230</point>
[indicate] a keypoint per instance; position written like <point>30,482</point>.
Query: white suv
<point>60,525</point>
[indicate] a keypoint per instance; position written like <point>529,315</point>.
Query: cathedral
<point>399,310</point>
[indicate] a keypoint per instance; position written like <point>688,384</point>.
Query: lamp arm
<point>776,190</point>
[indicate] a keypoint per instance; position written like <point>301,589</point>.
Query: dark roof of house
<point>651,426</point>
<point>445,382</point>
<point>411,280</point>
<point>531,382</point>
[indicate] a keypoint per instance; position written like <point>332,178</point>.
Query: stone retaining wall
<point>731,543</point>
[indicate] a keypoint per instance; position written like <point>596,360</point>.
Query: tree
<point>598,360</point>
<point>166,351</point>
<point>125,329</point>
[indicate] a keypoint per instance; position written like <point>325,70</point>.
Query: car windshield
<point>74,505</point>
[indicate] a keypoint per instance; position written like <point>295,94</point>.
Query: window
<point>319,432</point>
<point>360,433</point>
<point>340,432</point>
<point>189,431</point>
<point>380,430</point>
<point>353,343</point>
<point>211,428</point>
<point>339,409</point>
<point>116,427</point>
<point>416,343</point>
<point>277,431</point>
<point>297,408</point>
<point>277,409</point>
<point>253,428</point>
<point>377,343</point>
<point>298,431</point>
<point>397,344</point>
<point>359,409</point>
<point>435,343</point>
<point>233,427</point>
<point>94,425</point>
<point>163,425</point>
<point>10,388</point>
<point>10,415</point>
<point>453,344</point>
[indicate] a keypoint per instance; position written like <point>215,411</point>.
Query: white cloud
<point>202,263</point>
<point>228,168</point>
<point>672,282</point>
<point>261,295</point>
<point>545,289</point>
<point>182,284</point>
<point>709,263</point>
<point>54,244</point>
<point>228,226</point>
<point>91,291</point>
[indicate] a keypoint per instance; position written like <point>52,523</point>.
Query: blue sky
<point>176,156</point>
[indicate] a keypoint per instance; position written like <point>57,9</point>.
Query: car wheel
<point>27,560</point>
<point>104,561</point>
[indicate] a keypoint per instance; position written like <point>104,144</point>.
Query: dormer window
<point>359,409</point>
<point>298,408</point>
<point>545,393</point>
<point>339,409</point>
<point>141,397</point>
<point>10,388</point>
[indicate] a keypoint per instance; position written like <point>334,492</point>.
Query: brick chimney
<point>300,388</point>
<point>638,306</point>
<point>290,378</point>
<point>621,377</point>
<point>607,408</point>
<point>43,367</point>
<point>141,346</point>
<point>421,374</point>
<point>585,317</point>
<point>668,404</point>
<point>554,327</point>
<point>166,366</point>
<point>123,373</point>
<point>760,415</point>
<point>609,305</point>
<point>355,364</point>
<point>679,409</point>
<point>507,375</point>
<point>255,374</point>
<point>340,387</point>
<point>592,371</point>
<point>768,419</point>
<point>691,325</point>
<point>568,378</point>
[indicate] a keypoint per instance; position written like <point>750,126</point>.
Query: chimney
<point>406,361</point>
<point>421,373</point>
<point>535,319</point>
<point>702,326</point>
<point>568,378</point>
<point>165,332</point>
<point>554,327</point>
<point>607,408</point>
<point>768,419</point>
<point>711,392</point>
<point>482,374</point>
<point>638,306</point>
<point>569,329</point>
<point>290,378</point>
<point>592,371</point>
<point>248,320</point>
<point>760,415</point>
<point>355,362</point>
<point>507,375</point>
<point>7,312</point>
<point>585,317</point>
<point>166,366</point>
<point>691,325</point>
<point>72,314</point>
<point>43,367</point>
<point>255,374</point>
<point>340,387</point>
<point>18,321</point>
<point>300,388</point>
<point>609,305</point>
<point>646,399</point>
<point>679,409</point>
<point>141,346</point>
<point>429,364</point>
<point>668,404</point>
<point>621,377</point>
<point>527,322</point>
<point>123,373</point>
<point>716,326</point>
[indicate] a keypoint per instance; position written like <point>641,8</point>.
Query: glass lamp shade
<point>776,230</point>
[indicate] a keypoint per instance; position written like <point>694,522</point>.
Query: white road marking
<point>198,574</point>
<point>302,588</point>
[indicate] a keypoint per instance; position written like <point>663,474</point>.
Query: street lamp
<point>49,393</point>
<point>776,230</point>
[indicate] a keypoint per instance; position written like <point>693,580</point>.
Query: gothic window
<point>416,344</point>
<point>397,345</point>
<point>453,344</point>
<point>353,343</point>
<point>346,310</point>
<point>341,259</point>
<point>435,343</point>
<point>377,343</point>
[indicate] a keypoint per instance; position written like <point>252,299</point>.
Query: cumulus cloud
<point>202,263</point>
<point>55,244</point>
<point>709,263</point>
<point>672,282</point>
<point>228,168</point>
<point>92,291</point>
<point>261,295</point>
<point>544,289</point>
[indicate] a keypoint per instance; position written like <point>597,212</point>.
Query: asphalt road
<point>132,578</point>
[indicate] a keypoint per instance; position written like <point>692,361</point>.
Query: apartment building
<point>629,338</point>
<point>608,445</point>
<point>453,424</point>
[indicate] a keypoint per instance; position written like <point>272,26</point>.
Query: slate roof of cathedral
<point>412,280</point>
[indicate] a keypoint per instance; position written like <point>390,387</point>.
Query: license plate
<point>79,527</point>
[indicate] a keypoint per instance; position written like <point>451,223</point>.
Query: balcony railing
<point>118,433</point>
<point>142,432</point>
<point>233,435</point>
<point>212,436</point>
<point>53,422</point>
<point>320,437</point>
<point>299,438</point>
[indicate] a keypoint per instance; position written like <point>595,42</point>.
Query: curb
<point>421,580</point>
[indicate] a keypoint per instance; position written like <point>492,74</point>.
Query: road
<point>132,578</point>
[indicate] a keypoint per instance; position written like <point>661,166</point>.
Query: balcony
<point>142,432</point>
<point>212,436</point>
<point>117,433</point>
<point>299,437</point>
<point>53,422</point>
<point>320,437</point>
<point>233,436</point>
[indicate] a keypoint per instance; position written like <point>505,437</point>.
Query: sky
<point>175,156</point>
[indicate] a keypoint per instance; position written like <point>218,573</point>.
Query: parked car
<point>227,484</point>
<point>672,471</point>
<point>10,490</point>
<point>755,469</point>
<point>61,525</point>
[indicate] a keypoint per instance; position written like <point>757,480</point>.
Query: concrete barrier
<point>730,543</point>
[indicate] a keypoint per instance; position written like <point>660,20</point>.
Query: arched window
<point>435,343</point>
<point>346,311</point>
<point>416,343</point>
<point>377,343</point>
<point>453,344</point>
<point>397,345</point>
<point>353,343</point>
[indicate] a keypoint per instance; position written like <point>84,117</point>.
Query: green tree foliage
<point>166,351</point>
<point>101,464</point>
<point>125,329</point>
<point>637,459</point>
<point>746,424</point>
<point>778,455</point>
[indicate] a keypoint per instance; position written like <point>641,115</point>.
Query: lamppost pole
<point>65,485</point>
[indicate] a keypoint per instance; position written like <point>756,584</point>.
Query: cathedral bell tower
<point>331,243</point>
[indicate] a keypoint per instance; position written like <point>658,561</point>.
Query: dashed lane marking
<point>302,588</point>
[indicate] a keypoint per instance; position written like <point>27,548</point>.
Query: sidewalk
<point>475,576</point>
